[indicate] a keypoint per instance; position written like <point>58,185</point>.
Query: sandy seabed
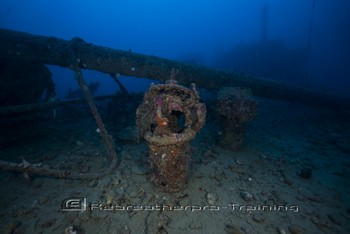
<point>263,188</point>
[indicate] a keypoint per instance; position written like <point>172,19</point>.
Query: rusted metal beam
<point>9,111</point>
<point>55,51</point>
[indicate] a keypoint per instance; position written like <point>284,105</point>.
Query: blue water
<point>203,31</point>
<point>294,155</point>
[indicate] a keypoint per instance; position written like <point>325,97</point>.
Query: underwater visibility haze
<point>133,116</point>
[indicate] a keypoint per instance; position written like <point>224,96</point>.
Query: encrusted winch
<point>168,118</point>
<point>235,107</point>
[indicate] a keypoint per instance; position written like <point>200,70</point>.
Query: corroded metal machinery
<point>235,107</point>
<point>168,118</point>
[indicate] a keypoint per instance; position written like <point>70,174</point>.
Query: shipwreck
<point>34,52</point>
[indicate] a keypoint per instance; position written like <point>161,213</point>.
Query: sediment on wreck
<point>235,107</point>
<point>27,168</point>
<point>168,119</point>
<point>51,50</point>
